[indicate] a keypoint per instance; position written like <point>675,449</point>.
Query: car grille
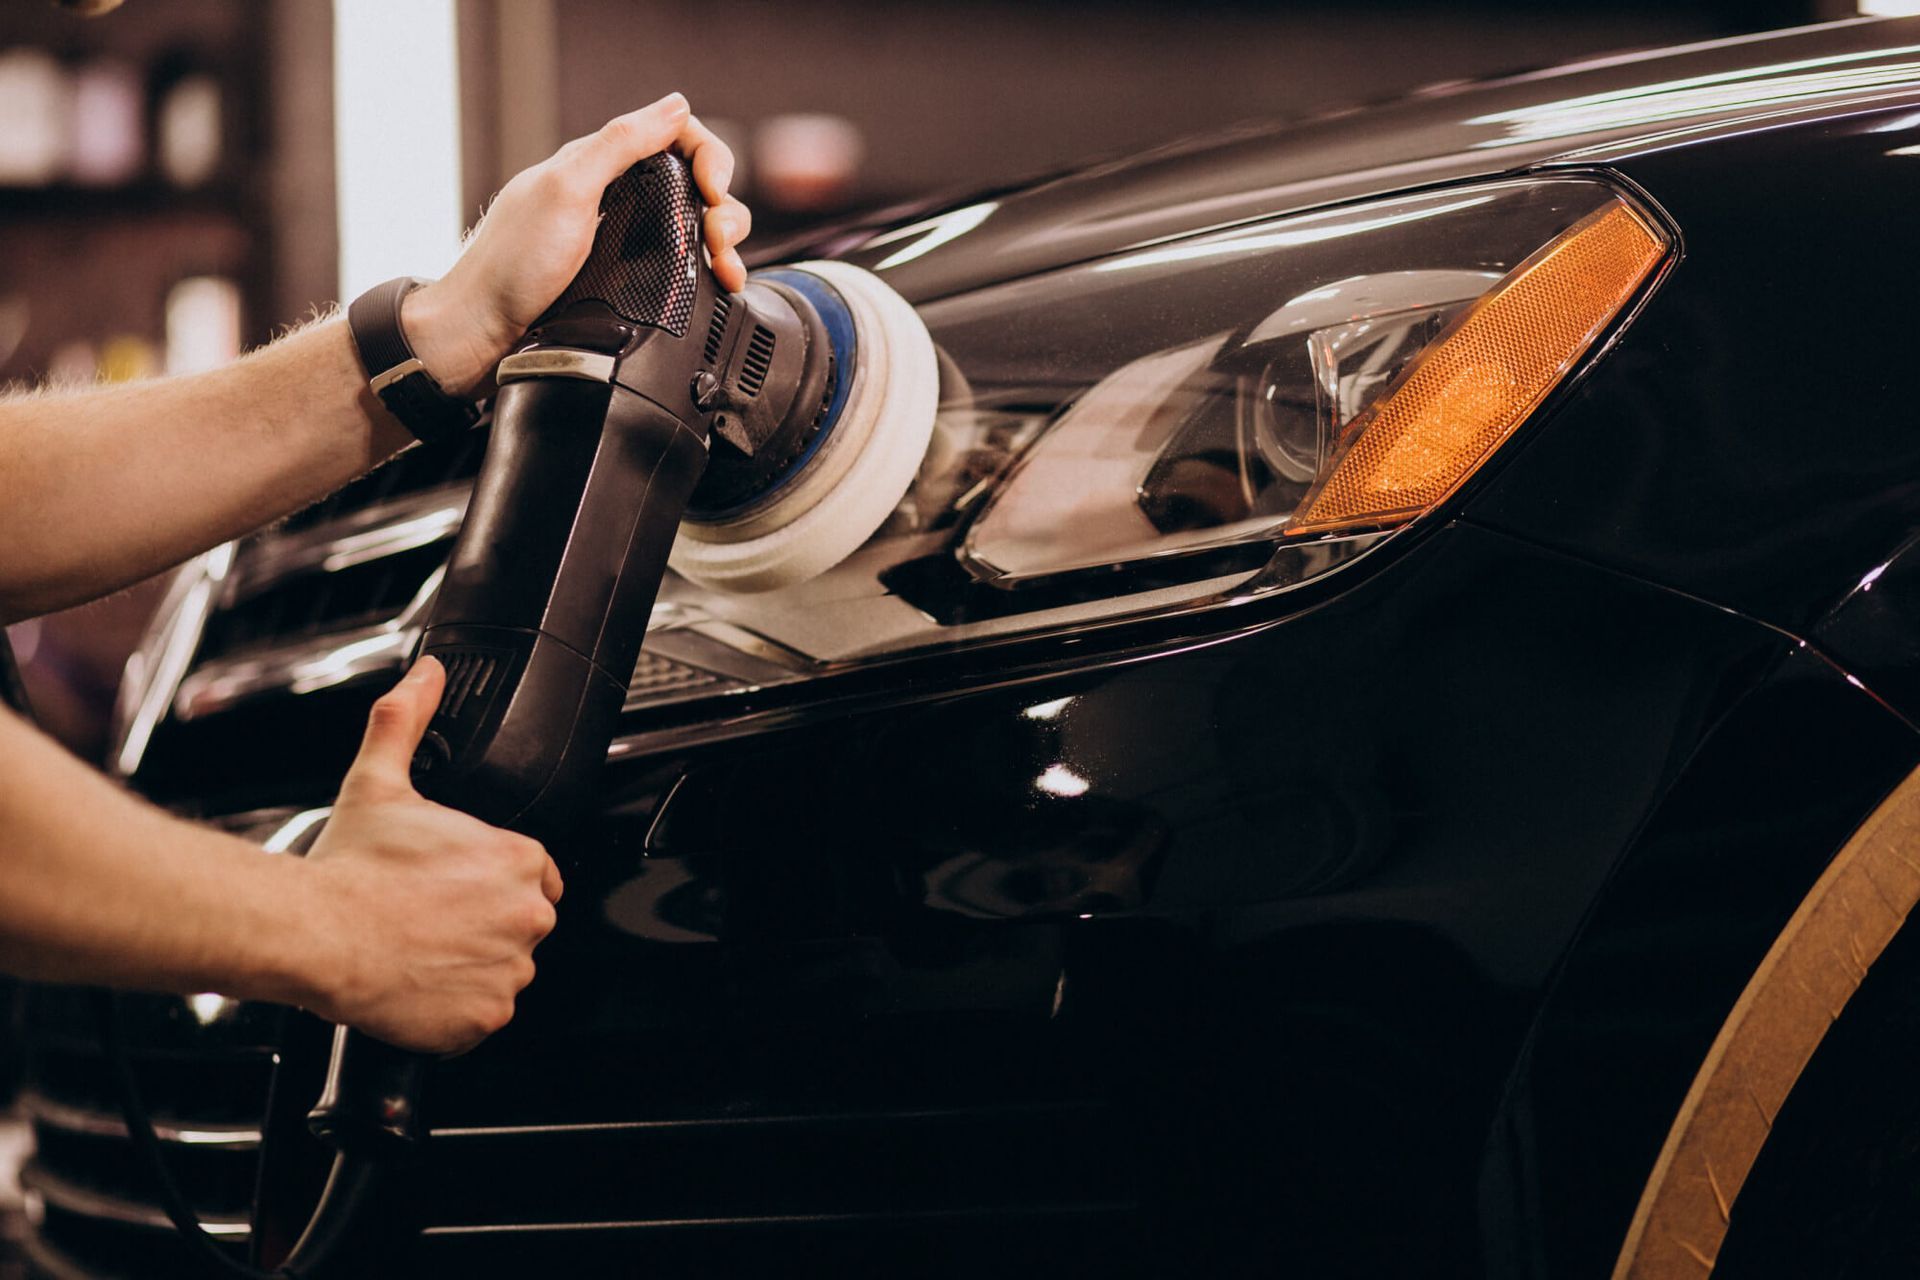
<point>330,597</point>
<point>876,1149</point>
<point>873,1192</point>
<point>204,1064</point>
<point>93,1210</point>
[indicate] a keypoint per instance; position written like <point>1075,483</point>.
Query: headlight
<point>1198,422</point>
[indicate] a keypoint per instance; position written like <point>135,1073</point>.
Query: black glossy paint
<point>1875,632</point>
<point>1755,439</point>
<point>1393,916</point>
<point>1327,871</point>
<point>1446,134</point>
<point>1702,891</point>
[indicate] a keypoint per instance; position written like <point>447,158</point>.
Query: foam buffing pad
<point>860,465</point>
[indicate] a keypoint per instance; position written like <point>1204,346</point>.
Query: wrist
<point>248,928</point>
<point>449,340</point>
<point>298,957</point>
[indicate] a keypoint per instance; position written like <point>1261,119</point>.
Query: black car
<point>1378,745</point>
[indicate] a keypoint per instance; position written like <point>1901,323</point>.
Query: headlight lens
<point>1468,389</point>
<point>1201,421</point>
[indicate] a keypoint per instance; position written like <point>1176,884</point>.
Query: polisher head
<point>845,454</point>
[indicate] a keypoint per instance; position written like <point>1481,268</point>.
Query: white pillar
<point>396,120</point>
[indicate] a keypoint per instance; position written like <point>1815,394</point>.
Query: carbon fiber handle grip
<point>646,256</point>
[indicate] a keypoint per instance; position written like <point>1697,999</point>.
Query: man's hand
<point>538,232</point>
<point>111,485</point>
<point>435,913</point>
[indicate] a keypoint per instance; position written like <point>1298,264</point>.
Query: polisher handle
<point>645,262</point>
<point>371,1102</point>
<point>544,606</point>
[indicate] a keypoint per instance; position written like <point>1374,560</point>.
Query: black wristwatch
<point>395,374</point>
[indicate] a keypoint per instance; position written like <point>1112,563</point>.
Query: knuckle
<point>534,859</point>
<point>524,856</point>
<point>536,919</point>
<point>621,132</point>
<point>559,181</point>
<point>518,185</point>
<point>387,711</point>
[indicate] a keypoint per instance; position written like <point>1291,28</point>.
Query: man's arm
<point>106,487</point>
<point>102,488</point>
<point>408,920</point>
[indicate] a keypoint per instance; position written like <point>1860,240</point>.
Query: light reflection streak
<point>210,1007</point>
<point>348,660</point>
<point>155,670</point>
<point>308,668</point>
<point>293,828</point>
<point>1898,124</point>
<point>1299,231</point>
<point>1061,781</point>
<point>933,233</point>
<point>422,530</point>
<point>1695,95</point>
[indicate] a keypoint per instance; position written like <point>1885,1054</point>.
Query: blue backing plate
<point>838,320</point>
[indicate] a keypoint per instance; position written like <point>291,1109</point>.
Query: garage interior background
<point>169,189</point>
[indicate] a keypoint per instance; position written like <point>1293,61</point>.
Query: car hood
<point>1597,111</point>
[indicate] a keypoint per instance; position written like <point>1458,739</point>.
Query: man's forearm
<point>98,887</point>
<point>107,486</point>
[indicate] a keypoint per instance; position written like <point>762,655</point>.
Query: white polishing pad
<point>862,469</point>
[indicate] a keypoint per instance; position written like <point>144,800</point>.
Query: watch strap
<point>394,372</point>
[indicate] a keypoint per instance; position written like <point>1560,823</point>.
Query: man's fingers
<point>624,141</point>
<point>731,272</point>
<point>596,160</point>
<point>710,159</point>
<point>550,882</point>
<point>728,223</point>
<point>394,728</point>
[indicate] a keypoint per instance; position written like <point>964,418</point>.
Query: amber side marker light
<point>1478,381</point>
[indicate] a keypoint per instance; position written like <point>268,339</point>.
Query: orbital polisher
<point>772,431</point>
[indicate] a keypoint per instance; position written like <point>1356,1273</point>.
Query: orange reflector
<point>1481,378</point>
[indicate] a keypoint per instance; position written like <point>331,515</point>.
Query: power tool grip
<point>645,261</point>
<point>372,1098</point>
<point>544,603</point>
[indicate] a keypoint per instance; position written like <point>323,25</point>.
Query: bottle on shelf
<point>36,102</point>
<point>108,134</point>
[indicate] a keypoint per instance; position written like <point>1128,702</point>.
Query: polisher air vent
<point>469,672</point>
<point>717,330</point>
<point>753,371</point>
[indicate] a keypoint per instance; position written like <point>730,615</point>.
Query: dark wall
<point>969,92</point>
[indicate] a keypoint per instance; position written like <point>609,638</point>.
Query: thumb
<point>394,729</point>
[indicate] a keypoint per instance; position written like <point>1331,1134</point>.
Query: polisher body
<point>643,396</point>
<point>623,405</point>
<point>597,447</point>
